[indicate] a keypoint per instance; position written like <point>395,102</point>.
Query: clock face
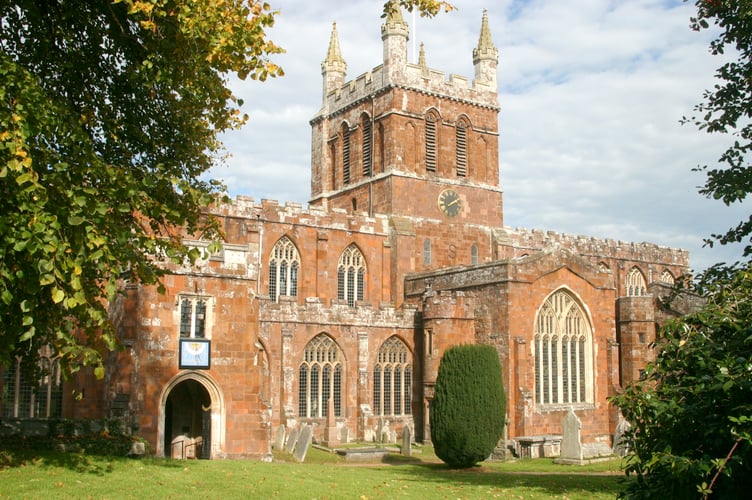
<point>450,203</point>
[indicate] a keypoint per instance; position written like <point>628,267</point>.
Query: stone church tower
<point>334,317</point>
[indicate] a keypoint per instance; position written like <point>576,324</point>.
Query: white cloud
<point>591,94</point>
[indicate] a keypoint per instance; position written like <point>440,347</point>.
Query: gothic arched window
<point>351,275</point>
<point>461,148</point>
<point>320,378</point>
<point>284,266</point>
<point>345,153</point>
<point>431,141</point>
<point>34,393</point>
<point>474,254</point>
<point>563,352</point>
<point>366,144</point>
<point>392,379</point>
<point>635,283</point>
<point>667,277</point>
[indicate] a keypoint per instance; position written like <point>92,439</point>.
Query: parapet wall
<point>420,79</point>
<point>523,240</point>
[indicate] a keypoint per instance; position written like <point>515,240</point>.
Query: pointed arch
<point>462,130</point>
<point>344,137</point>
<point>351,275</point>
<point>432,122</point>
<point>320,378</point>
<point>563,351</point>
<point>635,283</point>
<point>366,144</point>
<point>216,408</point>
<point>392,379</point>
<point>284,269</point>
<point>667,277</point>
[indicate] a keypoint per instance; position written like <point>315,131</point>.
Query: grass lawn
<point>324,475</point>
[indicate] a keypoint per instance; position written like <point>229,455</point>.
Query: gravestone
<point>620,445</point>
<point>571,446</point>
<point>279,438</point>
<point>407,441</point>
<point>291,440</point>
<point>331,435</point>
<point>304,442</point>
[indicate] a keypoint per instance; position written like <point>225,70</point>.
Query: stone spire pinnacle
<point>394,34</point>
<point>394,13</point>
<point>334,67</point>
<point>422,58</point>
<point>484,41</point>
<point>334,54</point>
<point>485,56</point>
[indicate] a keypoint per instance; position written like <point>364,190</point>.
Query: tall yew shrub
<point>468,408</point>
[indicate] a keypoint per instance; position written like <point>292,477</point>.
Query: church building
<point>335,315</point>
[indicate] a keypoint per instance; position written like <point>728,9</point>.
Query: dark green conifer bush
<point>468,408</point>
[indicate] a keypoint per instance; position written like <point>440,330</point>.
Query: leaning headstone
<point>571,446</point>
<point>621,447</point>
<point>304,442</point>
<point>407,441</point>
<point>279,438</point>
<point>291,440</point>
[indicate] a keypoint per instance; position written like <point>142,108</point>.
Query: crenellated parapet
<point>522,241</point>
<point>334,313</point>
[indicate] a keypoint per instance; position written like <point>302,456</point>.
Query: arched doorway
<point>191,418</point>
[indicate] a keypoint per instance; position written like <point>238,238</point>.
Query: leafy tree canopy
<point>110,112</point>
<point>727,108</point>
<point>694,409</point>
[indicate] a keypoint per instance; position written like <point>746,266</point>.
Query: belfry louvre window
<point>563,346</point>
<point>431,142</point>
<point>283,269</point>
<point>320,378</point>
<point>351,275</point>
<point>193,311</point>
<point>392,379</point>
<point>32,393</point>
<point>635,283</point>
<point>345,154</point>
<point>367,145</point>
<point>461,140</point>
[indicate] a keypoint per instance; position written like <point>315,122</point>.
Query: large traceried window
<point>392,379</point>
<point>635,283</point>
<point>193,316</point>
<point>351,275</point>
<point>36,394</point>
<point>320,378</point>
<point>563,352</point>
<point>283,269</point>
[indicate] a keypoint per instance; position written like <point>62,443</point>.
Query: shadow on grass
<point>78,461</point>
<point>548,483</point>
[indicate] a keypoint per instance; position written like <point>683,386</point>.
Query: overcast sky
<point>591,94</point>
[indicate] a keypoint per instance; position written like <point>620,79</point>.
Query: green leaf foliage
<point>469,406</point>
<point>727,109</point>
<point>692,416</point>
<point>109,116</point>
